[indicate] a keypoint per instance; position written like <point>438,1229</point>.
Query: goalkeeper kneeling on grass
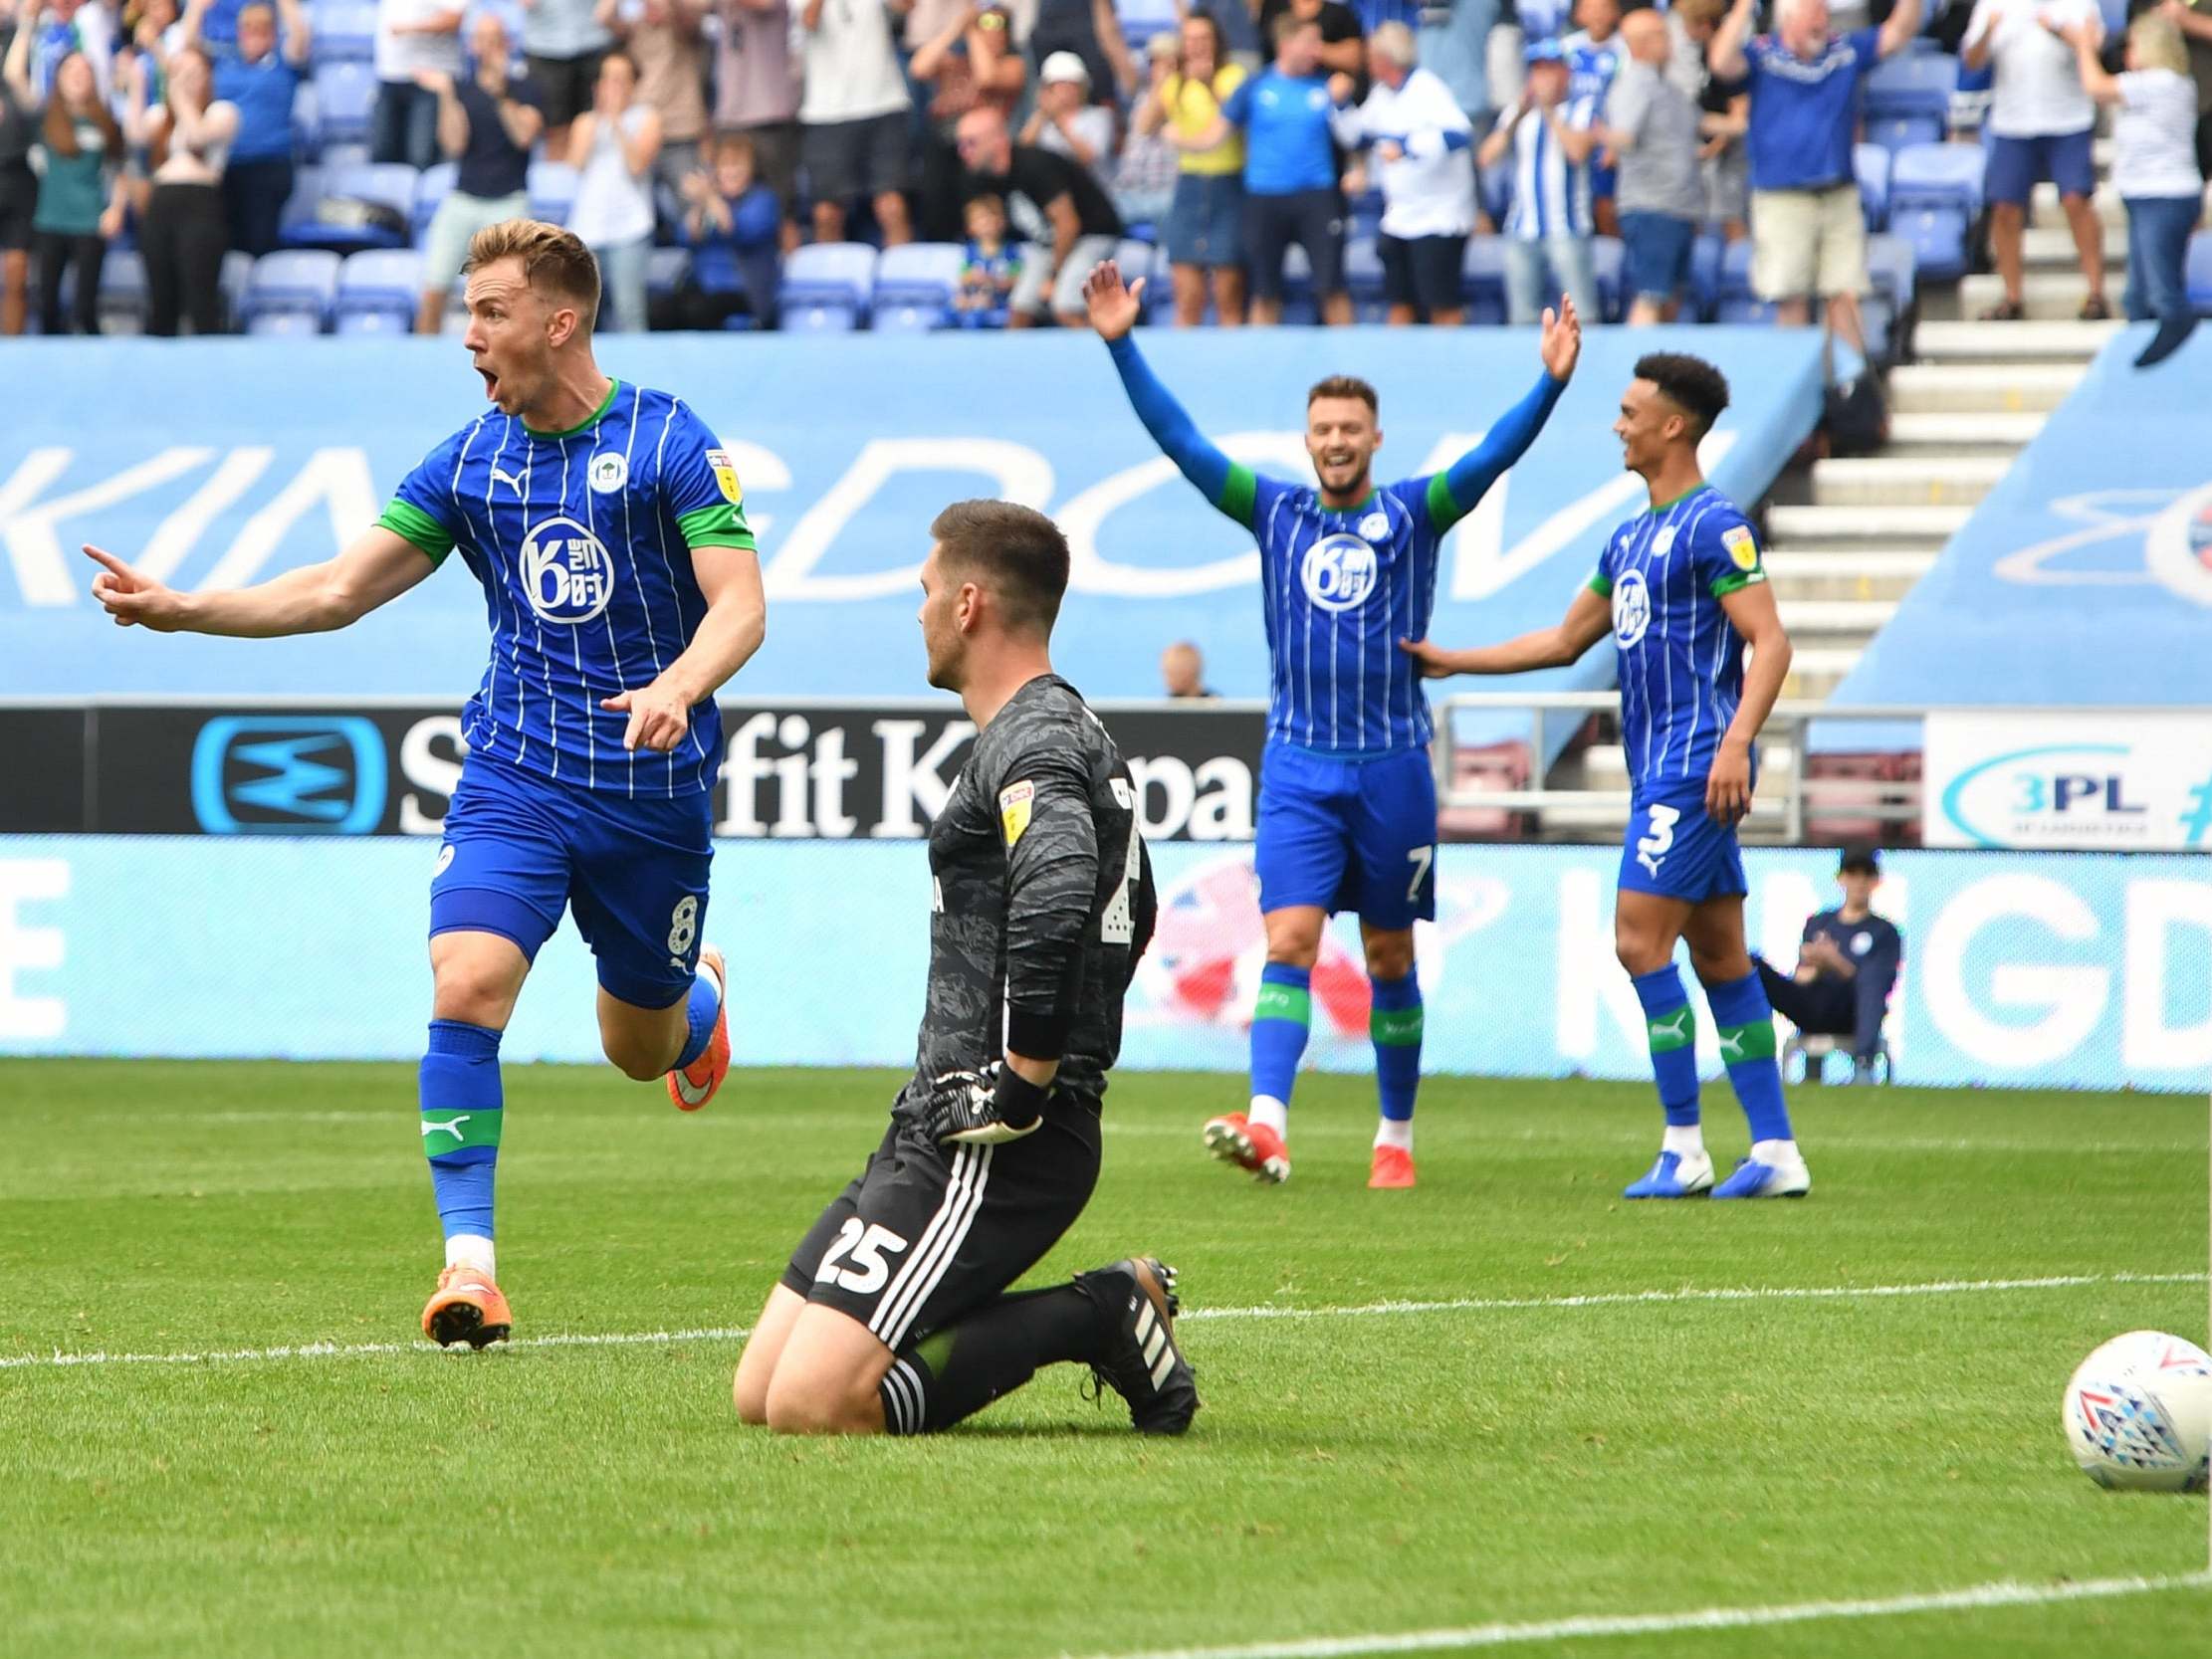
<point>894,1315</point>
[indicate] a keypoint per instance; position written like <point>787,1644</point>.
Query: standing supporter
<point>1066,120</point>
<point>970,62</point>
<point>1205,224</point>
<point>1290,181</point>
<point>853,116</point>
<point>78,196</point>
<point>1808,230</point>
<point>2041,126</point>
<point>1342,42</point>
<point>487,125</point>
<point>1651,127</point>
<point>1422,141</point>
<point>259,81</point>
<point>1145,176</point>
<point>182,239</point>
<point>614,147</point>
<point>1595,53</point>
<point>1551,221</point>
<point>731,224</point>
<point>563,42</point>
<point>757,89</point>
<point>1724,115</point>
<point>1059,207</point>
<point>18,183</point>
<point>667,42</point>
<point>1089,29</point>
<point>60,27</point>
<point>414,37</point>
<point>2154,169</point>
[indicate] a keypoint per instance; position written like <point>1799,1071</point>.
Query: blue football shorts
<point>1675,849</point>
<point>1348,835</point>
<point>519,848</point>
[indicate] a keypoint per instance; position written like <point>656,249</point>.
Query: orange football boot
<point>1392,1167</point>
<point>1235,1138</point>
<point>467,1308</point>
<point>692,1087</point>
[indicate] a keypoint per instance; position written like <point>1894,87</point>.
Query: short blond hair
<point>2157,42</point>
<point>1703,10</point>
<point>555,261</point>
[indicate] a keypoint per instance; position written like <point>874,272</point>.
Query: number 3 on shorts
<point>1422,859</point>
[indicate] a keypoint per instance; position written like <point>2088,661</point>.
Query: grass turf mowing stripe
<point>1460,1304</point>
<point>1972,1598</point>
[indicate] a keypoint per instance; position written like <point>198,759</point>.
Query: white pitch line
<point>1973,1599</point>
<point>1459,1305</point>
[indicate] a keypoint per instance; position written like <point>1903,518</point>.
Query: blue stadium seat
<point>915,284</point>
<point>1363,276</point>
<point>1482,280</point>
<point>1745,307</point>
<point>1935,197</point>
<point>826,286</point>
<point>123,292</point>
<point>1608,257</point>
<point>378,292</point>
<point>391,185</point>
<point>1364,221</point>
<point>1734,276</point>
<point>238,271</point>
<point>344,96</point>
<point>430,189</point>
<point>1913,86</point>
<point>306,190</point>
<point>343,155</point>
<point>344,31</point>
<point>1896,132</point>
<point>1299,304</point>
<point>1887,308</point>
<point>552,190</point>
<point>1140,260</point>
<point>2199,273</point>
<point>1705,275</point>
<point>1872,163</point>
<point>666,268</point>
<point>290,292</point>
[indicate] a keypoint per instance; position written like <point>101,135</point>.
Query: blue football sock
<point>1745,1021</point>
<point>461,1112</point>
<point>1671,1025</point>
<point>700,1012</point>
<point>1395,1024</point>
<point>1280,1021</point>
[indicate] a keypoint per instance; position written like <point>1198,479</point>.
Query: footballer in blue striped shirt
<point>622,588</point>
<point>1682,590</point>
<point>1347,801</point>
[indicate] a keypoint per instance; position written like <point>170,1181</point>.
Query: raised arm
<point>377,568</point>
<point>1899,28</point>
<point>1588,620</point>
<point>1724,51</point>
<point>1454,491</point>
<point>17,68</point>
<point>299,34</point>
<point>2082,39</point>
<point>1114,310</point>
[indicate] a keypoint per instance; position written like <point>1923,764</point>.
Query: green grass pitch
<point>1359,1470</point>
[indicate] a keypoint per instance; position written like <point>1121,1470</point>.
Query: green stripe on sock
<point>1283,1002</point>
<point>1747,1042</point>
<point>449,1131</point>
<point>1671,1031</point>
<point>1394,1028</point>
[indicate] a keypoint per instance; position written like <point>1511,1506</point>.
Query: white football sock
<point>1265,1108</point>
<point>1394,1132</point>
<point>1685,1140</point>
<point>1776,1153</point>
<point>472,1250</point>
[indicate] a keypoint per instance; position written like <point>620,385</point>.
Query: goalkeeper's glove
<point>986,1107</point>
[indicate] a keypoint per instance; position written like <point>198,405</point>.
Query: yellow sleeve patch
<point>1743,551</point>
<point>1014,809</point>
<point>726,475</point>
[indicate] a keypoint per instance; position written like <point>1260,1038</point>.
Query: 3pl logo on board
<point>2069,782</point>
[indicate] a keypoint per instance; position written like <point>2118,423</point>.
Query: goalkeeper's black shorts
<point>928,1233</point>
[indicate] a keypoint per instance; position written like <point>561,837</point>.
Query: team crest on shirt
<point>1744,552</point>
<point>1663,542</point>
<point>1632,608</point>
<point>567,573</point>
<point>1339,573</point>
<point>726,475</point>
<point>1376,526</point>
<point>609,473</point>
<point>1013,808</point>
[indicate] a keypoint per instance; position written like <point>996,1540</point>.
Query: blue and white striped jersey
<point>583,541</point>
<point>1551,194</point>
<point>1680,659</point>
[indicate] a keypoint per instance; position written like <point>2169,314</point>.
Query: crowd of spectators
<point>1253,141</point>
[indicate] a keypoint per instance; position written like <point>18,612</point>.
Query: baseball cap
<point>1544,52</point>
<point>1860,860</point>
<point>1063,66</point>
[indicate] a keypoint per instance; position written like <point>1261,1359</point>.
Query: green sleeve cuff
<point>409,521</point>
<point>1443,512</point>
<point>718,526</point>
<point>1730,583</point>
<point>1600,584</point>
<point>1240,494</point>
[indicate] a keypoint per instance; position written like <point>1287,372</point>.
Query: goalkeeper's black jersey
<point>1041,896</point>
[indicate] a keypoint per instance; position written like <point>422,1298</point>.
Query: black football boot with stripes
<point>1141,1361</point>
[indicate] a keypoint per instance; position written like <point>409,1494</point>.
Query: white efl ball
<point>2138,1413</point>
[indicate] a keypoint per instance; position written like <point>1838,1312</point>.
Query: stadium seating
<point>1935,197</point>
<point>238,272</point>
<point>123,292</point>
<point>378,292</point>
<point>1872,164</point>
<point>914,287</point>
<point>666,268</point>
<point>552,190</point>
<point>2199,273</point>
<point>1888,311</point>
<point>322,225</point>
<point>826,286</point>
<point>1908,100</point>
<point>430,190</point>
<point>344,93</point>
<point>1704,277</point>
<point>344,31</point>
<point>1298,303</point>
<point>1363,276</point>
<point>290,292</point>
<point>1482,278</point>
<point>1608,256</point>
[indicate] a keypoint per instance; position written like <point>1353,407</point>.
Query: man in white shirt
<point>1424,142</point>
<point>853,114</point>
<point>2041,126</point>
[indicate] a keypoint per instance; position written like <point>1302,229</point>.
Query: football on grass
<point>2138,1413</point>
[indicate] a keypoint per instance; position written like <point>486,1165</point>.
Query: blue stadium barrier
<point>1520,975</point>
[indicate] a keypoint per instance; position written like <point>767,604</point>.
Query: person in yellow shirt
<point>1204,222</point>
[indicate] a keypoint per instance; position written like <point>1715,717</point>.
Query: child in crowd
<point>992,269</point>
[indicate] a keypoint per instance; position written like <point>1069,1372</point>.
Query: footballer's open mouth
<point>491,382</point>
<point>1335,457</point>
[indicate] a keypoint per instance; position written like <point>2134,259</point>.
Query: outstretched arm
<point>1724,51</point>
<point>379,568</point>
<point>1453,494</point>
<point>1113,310</point>
<point>1588,620</point>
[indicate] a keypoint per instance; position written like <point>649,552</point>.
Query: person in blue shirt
<point>731,224</point>
<point>1347,800</point>
<point>607,528</point>
<point>1808,229</point>
<point>1290,181</point>
<point>260,79</point>
<point>1846,967</point>
<point>1681,589</point>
